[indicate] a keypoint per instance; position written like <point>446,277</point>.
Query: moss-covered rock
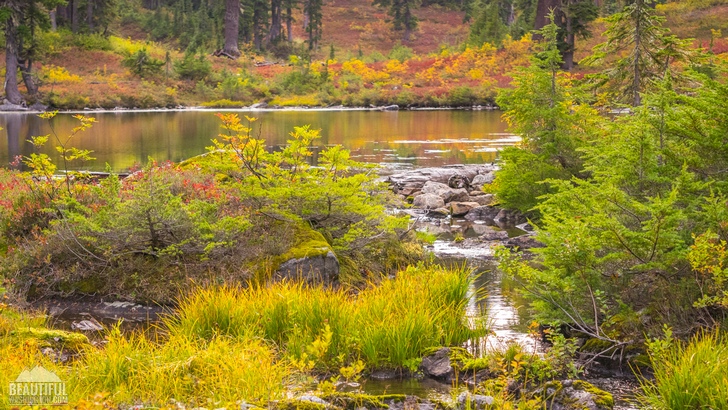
<point>57,339</point>
<point>310,259</point>
<point>353,401</point>
<point>575,395</point>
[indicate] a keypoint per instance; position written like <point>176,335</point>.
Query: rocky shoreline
<point>8,107</point>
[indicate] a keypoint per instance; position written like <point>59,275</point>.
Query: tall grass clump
<point>691,375</point>
<point>389,324</point>
<point>221,370</point>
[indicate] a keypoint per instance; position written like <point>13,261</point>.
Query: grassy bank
<point>227,344</point>
<point>688,375</point>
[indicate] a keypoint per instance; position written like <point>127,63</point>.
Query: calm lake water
<point>399,138</point>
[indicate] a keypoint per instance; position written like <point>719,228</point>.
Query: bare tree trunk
<point>568,54</point>
<point>636,99</point>
<point>12,93</point>
<point>26,71</point>
<point>407,23</point>
<point>54,24</point>
<point>74,15</point>
<point>289,24</point>
<point>90,14</point>
<point>543,8</point>
<point>232,17</point>
<point>275,21</point>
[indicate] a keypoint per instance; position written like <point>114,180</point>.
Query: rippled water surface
<point>399,138</point>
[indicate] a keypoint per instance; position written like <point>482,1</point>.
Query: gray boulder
<point>438,365</point>
<point>458,181</point>
<point>483,213</point>
<point>575,395</point>
<point>322,268</point>
<point>482,200</point>
<point>482,179</point>
<point>492,234</point>
<point>467,400</point>
<point>418,177</point>
<point>523,242</point>
<point>462,208</point>
<point>428,201</point>
<point>444,191</point>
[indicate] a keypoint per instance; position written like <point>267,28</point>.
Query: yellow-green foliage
<point>690,375</point>
<point>190,370</point>
<point>134,369</point>
<point>127,46</point>
<point>223,103</point>
<point>296,101</point>
<point>388,325</point>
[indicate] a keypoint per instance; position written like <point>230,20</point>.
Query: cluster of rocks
<point>455,190</point>
<point>561,395</point>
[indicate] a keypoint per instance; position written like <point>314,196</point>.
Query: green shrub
<point>95,41</point>
<point>193,68</point>
<point>142,64</point>
<point>520,181</point>
<point>401,53</point>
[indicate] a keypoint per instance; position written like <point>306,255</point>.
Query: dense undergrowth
<point>232,215</point>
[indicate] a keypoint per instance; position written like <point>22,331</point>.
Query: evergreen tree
<point>652,49</point>
<point>312,11</point>
<point>401,12</point>
<point>22,19</point>
<point>542,107</point>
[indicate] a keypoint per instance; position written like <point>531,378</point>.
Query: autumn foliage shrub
<point>227,216</point>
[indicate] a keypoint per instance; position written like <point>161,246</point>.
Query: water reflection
<point>404,138</point>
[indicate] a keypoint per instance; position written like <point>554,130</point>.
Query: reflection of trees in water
<point>13,123</point>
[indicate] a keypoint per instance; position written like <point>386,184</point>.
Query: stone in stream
<point>428,201</point>
<point>462,208</point>
<point>467,400</point>
<point>483,213</point>
<point>480,180</point>
<point>445,192</point>
<point>575,395</point>
<point>438,365</point>
<point>492,234</point>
